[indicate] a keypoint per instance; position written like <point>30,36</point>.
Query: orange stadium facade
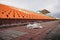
<point>10,14</point>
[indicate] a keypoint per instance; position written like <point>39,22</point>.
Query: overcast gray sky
<point>52,5</point>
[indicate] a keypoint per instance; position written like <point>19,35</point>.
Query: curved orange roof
<point>15,13</point>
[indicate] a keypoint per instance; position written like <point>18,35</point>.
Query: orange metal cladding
<point>14,13</point>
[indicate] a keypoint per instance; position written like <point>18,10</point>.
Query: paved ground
<point>54,34</point>
<point>36,34</point>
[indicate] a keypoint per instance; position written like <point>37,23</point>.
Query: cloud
<point>31,4</point>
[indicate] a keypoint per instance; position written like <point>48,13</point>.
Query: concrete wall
<point>11,21</point>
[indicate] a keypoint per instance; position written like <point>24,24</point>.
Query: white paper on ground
<point>34,25</point>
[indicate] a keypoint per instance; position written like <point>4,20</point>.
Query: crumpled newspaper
<point>34,25</point>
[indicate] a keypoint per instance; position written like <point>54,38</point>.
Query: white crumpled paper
<point>34,25</point>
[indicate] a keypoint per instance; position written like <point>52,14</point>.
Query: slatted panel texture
<point>14,13</point>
